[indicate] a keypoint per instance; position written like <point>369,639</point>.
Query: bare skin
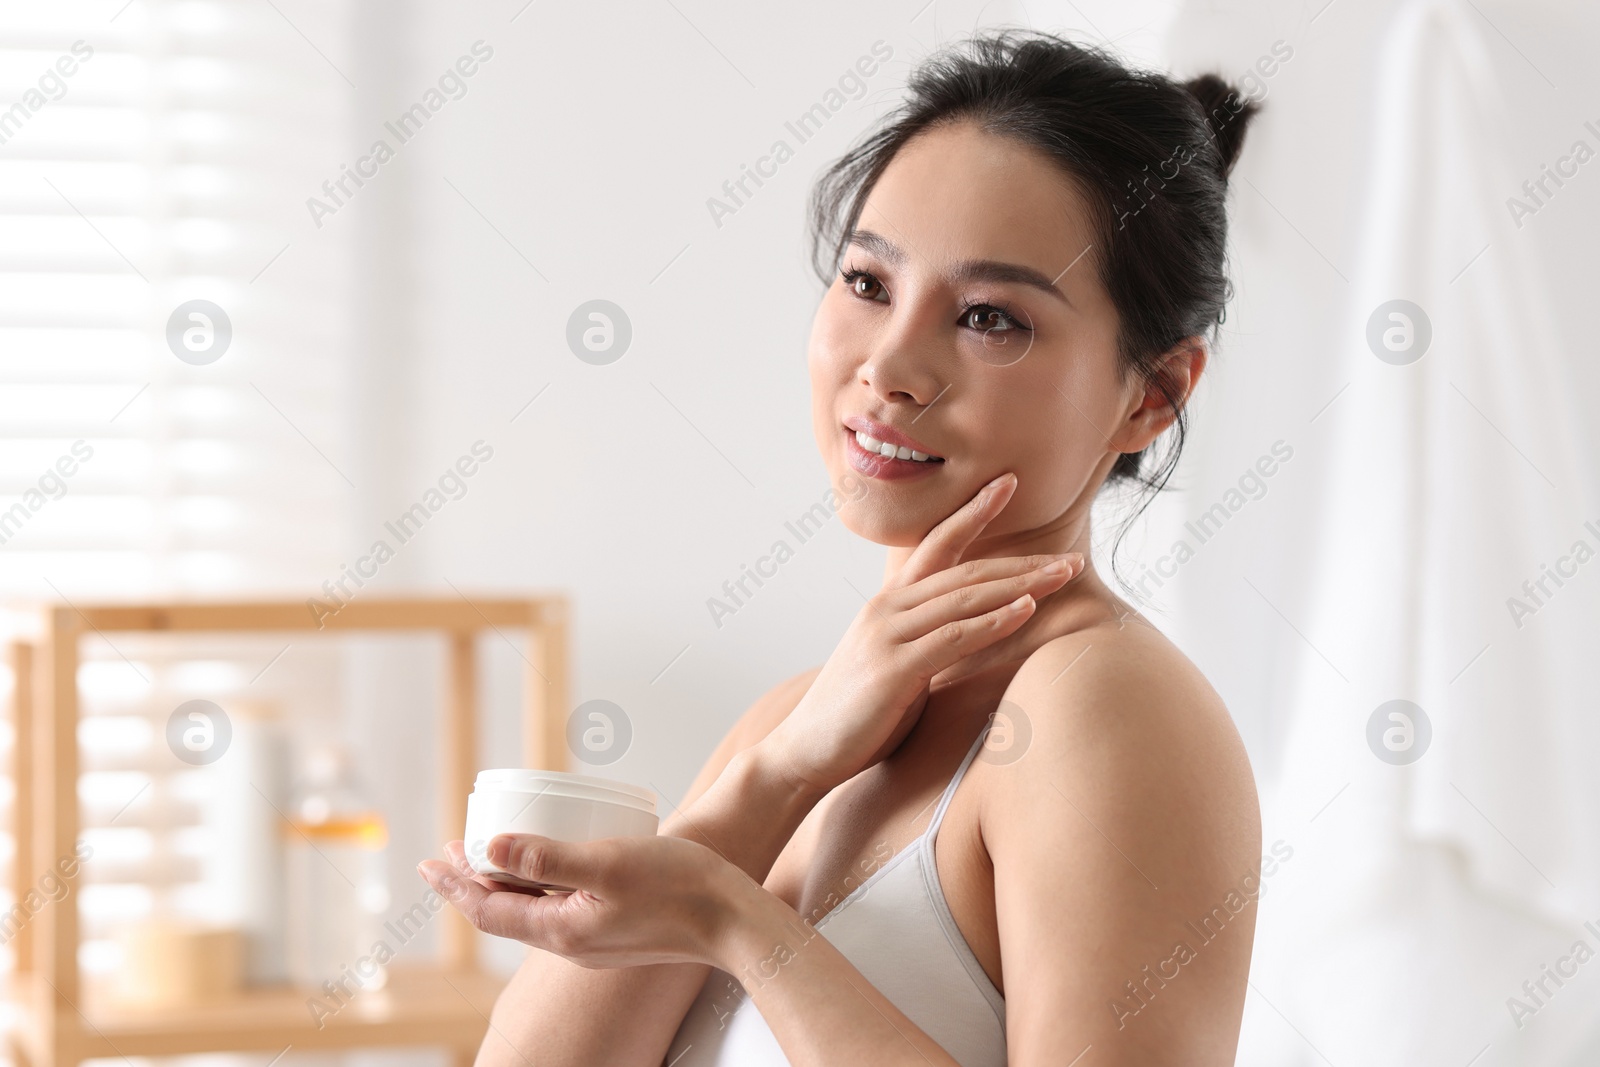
<point>1073,872</point>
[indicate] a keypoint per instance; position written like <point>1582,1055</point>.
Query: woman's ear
<point>1156,400</point>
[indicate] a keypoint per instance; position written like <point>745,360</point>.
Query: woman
<point>1007,821</point>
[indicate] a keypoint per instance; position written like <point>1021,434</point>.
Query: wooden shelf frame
<point>62,1022</point>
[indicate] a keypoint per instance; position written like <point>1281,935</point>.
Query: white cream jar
<point>555,804</point>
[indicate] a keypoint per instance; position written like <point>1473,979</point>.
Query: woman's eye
<point>863,284</point>
<point>986,318</point>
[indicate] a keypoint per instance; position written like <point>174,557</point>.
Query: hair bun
<point>1227,113</point>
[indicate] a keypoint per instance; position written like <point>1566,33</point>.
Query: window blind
<point>153,154</point>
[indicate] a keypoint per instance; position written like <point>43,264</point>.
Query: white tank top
<point>898,931</point>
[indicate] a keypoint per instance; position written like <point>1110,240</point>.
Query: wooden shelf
<point>417,1006</point>
<point>445,1004</point>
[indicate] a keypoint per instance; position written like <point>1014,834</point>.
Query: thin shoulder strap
<point>950,790</point>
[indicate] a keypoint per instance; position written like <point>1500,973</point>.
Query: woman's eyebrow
<point>972,270</point>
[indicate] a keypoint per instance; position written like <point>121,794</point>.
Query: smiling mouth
<point>881,461</point>
<point>871,444</point>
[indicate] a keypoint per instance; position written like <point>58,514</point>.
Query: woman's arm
<point>1126,848</point>
<point>821,1009</point>
<point>647,902</point>
<point>555,1013</point>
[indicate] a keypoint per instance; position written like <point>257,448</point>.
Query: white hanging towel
<point>1430,882</point>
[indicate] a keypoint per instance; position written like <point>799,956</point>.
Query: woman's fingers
<point>455,852</point>
<point>954,641</point>
<point>510,911</point>
<point>974,572</point>
<point>1011,647</point>
<point>518,916</point>
<point>544,859</point>
<point>466,894</point>
<point>971,601</point>
<point>538,859</point>
<point>944,544</point>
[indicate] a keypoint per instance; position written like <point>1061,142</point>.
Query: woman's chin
<point>879,525</point>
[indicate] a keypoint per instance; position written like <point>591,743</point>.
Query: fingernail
<point>499,851</point>
<point>1058,567</point>
<point>1019,603</point>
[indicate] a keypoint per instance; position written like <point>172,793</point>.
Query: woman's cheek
<point>1052,468</point>
<point>829,354</point>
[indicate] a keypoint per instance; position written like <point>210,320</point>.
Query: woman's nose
<point>903,368</point>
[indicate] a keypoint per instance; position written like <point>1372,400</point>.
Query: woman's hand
<point>635,900</point>
<point>935,612</point>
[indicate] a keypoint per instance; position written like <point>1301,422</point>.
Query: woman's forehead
<point>956,194</point>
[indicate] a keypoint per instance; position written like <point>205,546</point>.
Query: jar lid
<point>535,781</point>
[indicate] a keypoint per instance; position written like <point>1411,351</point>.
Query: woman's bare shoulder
<point>1118,707</point>
<point>1121,671</point>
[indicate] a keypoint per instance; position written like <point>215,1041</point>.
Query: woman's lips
<point>884,433</point>
<point>887,468</point>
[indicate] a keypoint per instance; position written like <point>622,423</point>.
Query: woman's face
<point>969,319</point>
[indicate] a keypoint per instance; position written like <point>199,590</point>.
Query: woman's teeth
<point>884,448</point>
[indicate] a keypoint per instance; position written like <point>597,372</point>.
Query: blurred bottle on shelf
<point>243,866</point>
<point>338,890</point>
